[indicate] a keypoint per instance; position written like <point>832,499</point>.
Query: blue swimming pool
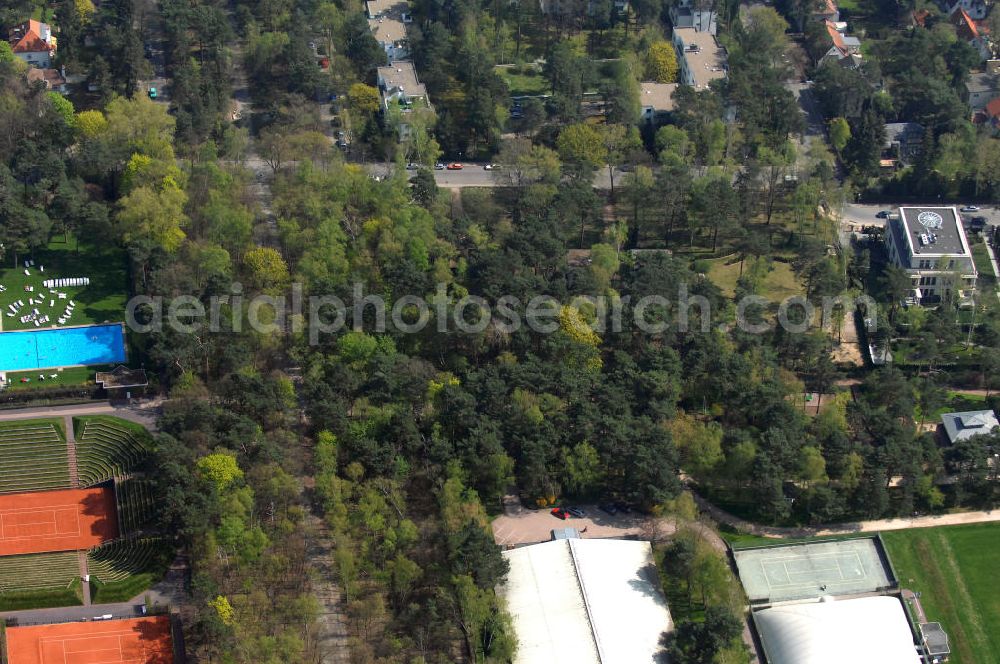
<point>61,347</point>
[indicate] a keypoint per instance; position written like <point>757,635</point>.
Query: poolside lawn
<point>64,377</point>
<point>954,569</point>
<point>103,300</point>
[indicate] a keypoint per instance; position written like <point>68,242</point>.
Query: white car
<point>970,208</point>
<point>489,167</point>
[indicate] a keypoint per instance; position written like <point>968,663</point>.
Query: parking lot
<point>524,526</point>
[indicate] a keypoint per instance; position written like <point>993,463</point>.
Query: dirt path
<point>877,525</point>
<point>332,637</point>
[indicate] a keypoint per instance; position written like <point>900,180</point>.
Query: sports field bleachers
<point>32,456</point>
<point>119,560</point>
<point>38,571</point>
<point>107,447</point>
<point>135,504</point>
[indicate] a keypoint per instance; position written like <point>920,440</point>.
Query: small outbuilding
<point>935,642</point>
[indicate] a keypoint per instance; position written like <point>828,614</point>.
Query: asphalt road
<point>474,175</point>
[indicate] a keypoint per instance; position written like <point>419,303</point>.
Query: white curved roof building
<point>586,601</point>
<point>866,630</point>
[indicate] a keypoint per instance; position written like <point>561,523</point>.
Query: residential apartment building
<point>402,91</point>
<point>700,59</point>
<point>387,21</point>
<point>930,244</point>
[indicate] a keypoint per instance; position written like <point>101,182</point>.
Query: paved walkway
<point>84,575</point>
<point>143,412</point>
<point>912,599</point>
<point>74,471</point>
<point>72,613</point>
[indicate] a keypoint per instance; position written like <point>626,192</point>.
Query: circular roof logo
<point>930,219</point>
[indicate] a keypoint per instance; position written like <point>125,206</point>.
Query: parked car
<point>970,208</point>
<point>411,166</point>
<point>439,166</point>
<point>455,166</point>
<point>610,508</point>
<point>559,513</point>
<point>977,224</point>
<point>883,214</point>
<point>152,93</point>
<point>578,512</point>
<point>489,167</point>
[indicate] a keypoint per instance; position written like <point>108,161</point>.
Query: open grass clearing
<point>954,569</point>
<point>779,283</point>
<point>524,80</point>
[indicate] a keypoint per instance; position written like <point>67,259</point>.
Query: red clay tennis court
<point>136,641</point>
<point>56,520</point>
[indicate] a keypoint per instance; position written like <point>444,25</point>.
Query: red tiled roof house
<point>33,42</point>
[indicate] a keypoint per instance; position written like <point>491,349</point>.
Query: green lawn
<point>103,300</point>
<point>530,83</point>
<point>981,257</point>
<point>954,568</point>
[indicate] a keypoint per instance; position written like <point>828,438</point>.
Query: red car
<point>560,513</point>
<point>455,166</point>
